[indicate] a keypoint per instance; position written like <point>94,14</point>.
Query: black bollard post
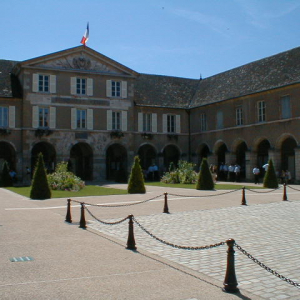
<point>230,282</point>
<point>68,215</point>
<point>130,240</point>
<point>82,223</point>
<point>243,197</point>
<point>166,208</point>
<point>284,193</point>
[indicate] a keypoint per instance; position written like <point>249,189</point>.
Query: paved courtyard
<point>45,258</point>
<point>269,232</point>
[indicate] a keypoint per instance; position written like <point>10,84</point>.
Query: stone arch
<point>116,163</point>
<point>8,154</point>
<point>171,154</point>
<point>148,155</point>
<point>240,156</point>
<point>287,153</point>
<point>282,138</point>
<point>49,155</point>
<point>258,141</point>
<point>262,148</point>
<point>203,151</point>
<point>236,143</point>
<point>81,160</point>
<point>217,144</point>
<point>220,150</point>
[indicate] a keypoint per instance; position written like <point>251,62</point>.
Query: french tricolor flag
<point>86,35</point>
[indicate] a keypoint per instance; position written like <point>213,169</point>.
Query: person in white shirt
<point>266,166</point>
<point>231,172</point>
<point>237,172</point>
<point>256,172</point>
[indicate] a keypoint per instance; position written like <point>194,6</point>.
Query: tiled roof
<point>265,74</point>
<point>164,91</point>
<point>8,82</point>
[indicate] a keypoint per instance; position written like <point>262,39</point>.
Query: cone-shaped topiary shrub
<point>40,188</point>
<point>205,180</point>
<point>270,179</point>
<point>6,179</point>
<point>136,181</point>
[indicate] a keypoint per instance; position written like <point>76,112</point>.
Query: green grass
<point>89,190</point>
<point>193,186</point>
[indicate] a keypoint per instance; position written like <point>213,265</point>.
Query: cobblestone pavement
<point>269,232</point>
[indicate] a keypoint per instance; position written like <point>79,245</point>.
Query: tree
<point>40,188</point>
<point>136,181</point>
<point>270,179</point>
<point>6,179</point>
<point>205,180</point>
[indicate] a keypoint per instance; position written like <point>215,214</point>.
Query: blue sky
<point>183,38</point>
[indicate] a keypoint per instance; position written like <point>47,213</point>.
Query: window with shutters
<point>81,118</point>
<point>116,120</point>
<point>171,124</point>
<point>3,116</point>
<point>203,122</point>
<point>285,107</point>
<point>261,111</point>
<point>115,88</point>
<point>43,117</point>
<point>147,122</point>
<point>81,86</point>
<point>239,116</point>
<point>43,83</point>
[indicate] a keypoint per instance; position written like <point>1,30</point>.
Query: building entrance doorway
<point>116,163</point>
<point>49,156</point>
<point>81,161</point>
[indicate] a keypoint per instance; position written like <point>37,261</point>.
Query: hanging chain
<point>293,188</point>
<point>120,205</point>
<point>264,192</point>
<point>106,223</point>
<point>267,268</point>
<point>174,245</point>
<point>212,195</point>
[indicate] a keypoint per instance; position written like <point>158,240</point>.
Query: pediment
<point>79,59</point>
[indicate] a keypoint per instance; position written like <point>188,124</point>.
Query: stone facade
<point>80,106</point>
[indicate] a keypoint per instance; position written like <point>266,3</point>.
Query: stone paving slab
<point>71,263</point>
<point>269,232</point>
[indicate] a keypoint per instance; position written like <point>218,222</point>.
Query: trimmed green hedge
<point>205,180</point>
<point>136,183</point>
<point>40,189</point>
<point>270,179</point>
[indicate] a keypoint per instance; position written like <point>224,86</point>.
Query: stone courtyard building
<point>80,106</point>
